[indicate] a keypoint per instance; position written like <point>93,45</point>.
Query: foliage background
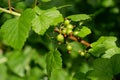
<point>30,63</point>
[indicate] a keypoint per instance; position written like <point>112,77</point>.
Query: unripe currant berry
<point>64,31</point>
<point>69,26</point>
<point>69,47</point>
<point>60,38</point>
<point>69,31</point>
<point>66,22</point>
<point>75,33</point>
<point>82,53</point>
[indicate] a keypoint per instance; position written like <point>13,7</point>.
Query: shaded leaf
<point>35,74</point>
<point>18,61</point>
<point>115,60</point>
<point>59,75</point>
<point>54,61</point>
<point>102,70</point>
<point>79,76</point>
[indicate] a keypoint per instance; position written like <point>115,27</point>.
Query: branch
<point>10,12</point>
<point>72,37</point>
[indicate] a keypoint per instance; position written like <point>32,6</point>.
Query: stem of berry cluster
<point>72,37</point>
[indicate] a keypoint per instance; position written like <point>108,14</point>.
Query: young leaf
<point>54,61</point>
<point>16,30</point>
<point>102,44</point>
<point>84,32</point>
<point>45,18</point>
<point>79,17</point>
<point>110,52</point>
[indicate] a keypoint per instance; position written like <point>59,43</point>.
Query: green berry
<point>75,33</point>
<point>64,31</point>
<point>69,47</point>
<point>82,53</point>
<point>70,26</point>
<point>66,22</point>
<point>60,38</point>
<point>69,31</point>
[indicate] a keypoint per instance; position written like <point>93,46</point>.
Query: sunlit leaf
<point>79,17</point>
<point>45,18</point>
<point>16,30</point>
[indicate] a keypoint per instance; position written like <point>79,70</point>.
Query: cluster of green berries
<point>65,30</point>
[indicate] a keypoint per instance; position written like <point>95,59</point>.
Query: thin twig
<point>10,12</point>
<point>35,3</point>
<point>72,37</point>
<point>9,4</point>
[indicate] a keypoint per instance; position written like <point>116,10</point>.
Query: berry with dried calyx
<point>60,38</point>
<point>69,31</point>
<point>75,33</point>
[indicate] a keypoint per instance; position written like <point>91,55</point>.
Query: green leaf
<point>84,32</point>
<point>59,75</point>
<point>35,74</point>
<point>14,77</point>
<point>109,42</point>
<point>45,18</point>
<point>3,59</point>
<point>102,70</point>
<point>54,61</point>
<point>108,3</point>
<point>17,30</point>
<point>115,60</point>
<point>79,76</point>
<point>102,44</point>
<point>110,52</point>
<point>3,72</point>
<point>18,61</point>
<point>79,17</point>
<point>40,59</point>
<point>76,47</point>
<point>45,0</point>
<point>84,68</point>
